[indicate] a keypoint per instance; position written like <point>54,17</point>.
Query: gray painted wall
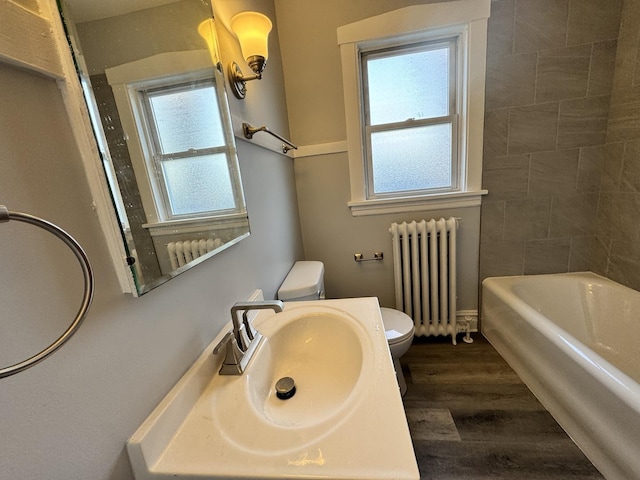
<point>313,80</point>
<point>70,416</point>
<point>332,235</point>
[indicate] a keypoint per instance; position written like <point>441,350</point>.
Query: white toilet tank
<point>305,281</point>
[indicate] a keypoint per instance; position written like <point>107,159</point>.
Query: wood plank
<point>499,460</point>
<point>472,418</point>
<point>461,397</point>
<point>26,41</point>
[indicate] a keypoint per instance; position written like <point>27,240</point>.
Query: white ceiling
<point>86,10</point>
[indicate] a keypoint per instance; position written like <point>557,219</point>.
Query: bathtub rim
<point>600,421</point>
<point>604,370</point>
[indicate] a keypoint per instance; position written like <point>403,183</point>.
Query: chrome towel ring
<point>5,216</point>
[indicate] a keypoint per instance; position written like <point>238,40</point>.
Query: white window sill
<point>411,204</point>
<point>197,224</point>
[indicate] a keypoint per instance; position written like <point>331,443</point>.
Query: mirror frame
<point>123,260</point>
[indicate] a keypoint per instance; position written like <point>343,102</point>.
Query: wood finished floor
<point>471,417</point>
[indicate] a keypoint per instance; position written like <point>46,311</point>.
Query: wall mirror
<point>154,87</point>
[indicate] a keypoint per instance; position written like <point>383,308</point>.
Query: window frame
<point>147,126</point>
<point>164,69</point>
<point>452,118</point>
<point>464,19</point>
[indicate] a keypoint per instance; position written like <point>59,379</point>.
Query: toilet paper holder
<point>358,257</point>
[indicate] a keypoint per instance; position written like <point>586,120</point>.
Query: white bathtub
<point>574,339</point>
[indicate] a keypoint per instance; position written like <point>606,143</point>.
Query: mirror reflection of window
<point>188,151</point>
<point>178,131</point>
<point>170,160</point>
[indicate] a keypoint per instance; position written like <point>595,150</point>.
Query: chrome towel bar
<point>250,131</point>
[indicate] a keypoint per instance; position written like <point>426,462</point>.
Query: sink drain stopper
<point>285,388</point>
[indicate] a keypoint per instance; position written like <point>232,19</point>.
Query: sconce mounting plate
<point>236,81</point>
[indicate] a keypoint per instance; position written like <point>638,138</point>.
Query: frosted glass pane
<point>410,85</point>
<point>198,184</point>
<point>188,119</point>
<point>412,159</point>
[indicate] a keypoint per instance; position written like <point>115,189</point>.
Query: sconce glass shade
<point>252,30</point>
<point>207,30</point>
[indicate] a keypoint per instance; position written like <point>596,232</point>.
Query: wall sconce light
<point>252,30</point>
<point>207,30</point>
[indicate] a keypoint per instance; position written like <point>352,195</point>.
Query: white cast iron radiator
<point>181,253</point>
<point>424,259</point>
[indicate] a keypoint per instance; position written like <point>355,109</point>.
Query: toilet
<point>305,281</point>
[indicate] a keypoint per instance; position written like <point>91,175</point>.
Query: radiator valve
<point>467,330</point>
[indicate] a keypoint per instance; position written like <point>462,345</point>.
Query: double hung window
<point>189,156</point>
<point>413,84</point>
<point>411,119</point>
<point>177,126</point>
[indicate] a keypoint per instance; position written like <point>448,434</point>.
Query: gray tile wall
<point>145,249</point>
<point>550,71</point>
<point>616,252</point>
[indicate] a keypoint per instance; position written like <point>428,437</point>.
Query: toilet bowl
<point>399,329</point>
<point>305,281</point>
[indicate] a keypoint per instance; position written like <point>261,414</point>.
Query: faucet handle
<point>232,363</point>
<point>223,343</point>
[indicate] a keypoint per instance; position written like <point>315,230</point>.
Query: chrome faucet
<point>241,343</point>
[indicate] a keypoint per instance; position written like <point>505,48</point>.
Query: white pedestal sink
<point>345,421</point>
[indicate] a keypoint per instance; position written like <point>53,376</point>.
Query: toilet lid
<point>305,278</point>
<point>398,326</point>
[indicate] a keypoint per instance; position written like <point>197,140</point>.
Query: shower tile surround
<point>562,139</point>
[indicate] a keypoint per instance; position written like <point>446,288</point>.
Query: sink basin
<point>323,351</point>
<point>345,419</point>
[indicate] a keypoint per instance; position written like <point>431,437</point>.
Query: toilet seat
<point>398,325</point>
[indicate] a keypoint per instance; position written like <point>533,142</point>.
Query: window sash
<point>157,157</point>
<point>451,43</point>
<point>186,202</point>
<point>147,96</point>
<point>451,120</point>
